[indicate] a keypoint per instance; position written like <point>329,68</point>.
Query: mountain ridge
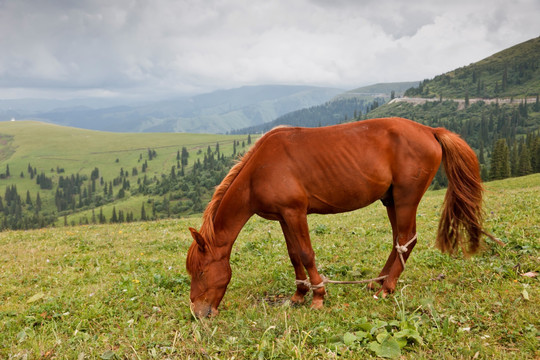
<point>216,112</point>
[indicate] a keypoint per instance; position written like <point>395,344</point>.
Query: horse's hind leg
<point>405,224</point>
<point>391,211</point>
<point>292,248</point>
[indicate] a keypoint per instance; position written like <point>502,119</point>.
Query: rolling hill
<point>493,104</point>
<point>79,173</point>
<point>514,72</point>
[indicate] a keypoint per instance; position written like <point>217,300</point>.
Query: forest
<point>182,191</point>
<point>506,138</point>
<point>330,113</point>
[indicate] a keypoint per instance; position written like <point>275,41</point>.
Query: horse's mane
<point>193,261</point>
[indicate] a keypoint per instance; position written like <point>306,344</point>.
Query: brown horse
<point>291,172</point>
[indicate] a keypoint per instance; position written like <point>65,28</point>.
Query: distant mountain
<point>343,107</point>
<point>336,111</point>
<point>217,112</point>
<point>509,73</point>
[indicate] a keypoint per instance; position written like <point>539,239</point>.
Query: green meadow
<point>48,148</point>
<point>122,292</point>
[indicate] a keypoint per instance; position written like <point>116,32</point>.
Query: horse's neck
<point>231,216</point>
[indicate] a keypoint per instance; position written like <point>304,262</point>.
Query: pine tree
<point>524,165</point>
<point>505,78</point>
<point>500,164</point>
<point>184,156</point>
<point>481,158</point>
<point>535,153</point>
<point>38,202</point>
<point>514,155</point>
<point>114,218</point>
<point>143,213</point>
<point>102,219</point>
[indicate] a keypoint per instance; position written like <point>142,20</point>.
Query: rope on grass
<point>401,249</point>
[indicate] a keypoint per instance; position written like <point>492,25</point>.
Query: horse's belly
<point>343,200</point>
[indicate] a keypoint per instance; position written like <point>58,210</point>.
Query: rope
<point>401,249</point>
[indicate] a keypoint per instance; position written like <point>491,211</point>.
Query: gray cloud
<point>165,47</point>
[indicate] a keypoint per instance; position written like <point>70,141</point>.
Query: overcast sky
<point>161,48</point>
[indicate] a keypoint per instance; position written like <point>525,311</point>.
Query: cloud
<point>165,47</point>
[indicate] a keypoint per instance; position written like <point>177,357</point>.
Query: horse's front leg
<point>301,278</point>
<point>298,242</point>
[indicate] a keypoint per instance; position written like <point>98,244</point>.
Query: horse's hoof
<point>297,299</point>
<point>381,294</point>
<point>317,304</point>
<point>372,286</point>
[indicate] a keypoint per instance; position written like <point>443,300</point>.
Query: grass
<point>121,291</point>
<point>47,147</point>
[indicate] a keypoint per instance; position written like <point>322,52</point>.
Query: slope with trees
<point>514,72</point>
<point>504,130</point>
<point>55,175</point>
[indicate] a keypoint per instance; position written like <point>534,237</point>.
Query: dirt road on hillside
<point>461,102</point>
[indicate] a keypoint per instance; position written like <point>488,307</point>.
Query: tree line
<point>185,189</point>
<point>505,137</point>
<point>330,113</point>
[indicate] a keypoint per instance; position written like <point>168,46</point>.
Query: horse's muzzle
<point>203,310</point>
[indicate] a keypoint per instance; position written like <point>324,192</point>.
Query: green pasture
<point>47,147</point>
<point>122,291</point>
<point>79,150</point>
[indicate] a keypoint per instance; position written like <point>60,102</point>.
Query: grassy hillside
<point>332,112</point>
<point>509,128</point>
<point>381,89</point>
<point>514,72</point>
<point>57,151</point>
<point>121,291</point>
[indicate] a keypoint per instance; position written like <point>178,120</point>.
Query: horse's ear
<point>198,238</point>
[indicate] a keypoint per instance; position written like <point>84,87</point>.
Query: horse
<point>291,172</point>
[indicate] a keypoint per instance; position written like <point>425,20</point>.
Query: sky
<point>65,49</point>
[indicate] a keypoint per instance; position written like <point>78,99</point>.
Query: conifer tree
<point>143,213</point>
<point>38,202</point>
<point>500,164</point>
<point>114,218</point>
<point>524,165</point>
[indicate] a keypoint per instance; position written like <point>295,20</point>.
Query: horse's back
<point>342,167</point>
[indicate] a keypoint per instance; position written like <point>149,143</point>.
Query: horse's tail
<point>462,207</point>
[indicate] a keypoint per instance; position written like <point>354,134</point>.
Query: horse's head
<point>210,274</point>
